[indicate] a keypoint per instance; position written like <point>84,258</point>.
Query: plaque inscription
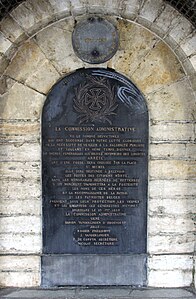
<point>94,165</point>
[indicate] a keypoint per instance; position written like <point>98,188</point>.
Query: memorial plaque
<point>95,40</point>
<point>94,174</point>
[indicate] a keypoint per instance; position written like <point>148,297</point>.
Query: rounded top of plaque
<point>95,40</point>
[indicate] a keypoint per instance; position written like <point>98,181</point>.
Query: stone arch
<point>159,56</point>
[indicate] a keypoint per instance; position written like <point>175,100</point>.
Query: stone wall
<point>158,53</point>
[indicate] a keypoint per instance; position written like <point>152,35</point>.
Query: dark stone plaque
<point>94,181</point>
<point>94,169</point>
<point>95,40</point>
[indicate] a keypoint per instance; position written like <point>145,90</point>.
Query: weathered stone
<point>28,206</point>
<point>182,29</point>
<point>5,44</point>
<point>174,278</point>
<point>171,262</point>
<point>131,9</point>
<point>161,223</point>
<point>164,189</point>
<point>20,190</point>
<point>43,78</point>
<point>193,61</point>
<point>20,132</point>
<point>20,152</point>
<point>19,170</point>
<point>3,64</point>
<point>172,131</point>
<point>189,45</point>
<point>61,8</point>
<point>151,9</point>
<point>56,43</point>
<point>20,224</point>
<point>33,15</point>
<point>168,19</point>
<point>158,68</point>
<point>172,169</point>
<point>19,279</point>
<point>171,243</point>
<point>78,7</point>
<point>168,103</point>
<point>135,43</point>
<point>20,243</point>
<point>26,62</point>
<point>181,206</point>
<point>20,263</point>
<point>11,30</point>
<point>101,6</point>
<point>20,96</point>
<point>167,151</point>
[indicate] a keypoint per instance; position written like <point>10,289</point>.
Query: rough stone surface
<point>11,30</point>
<point>158,68</point>
<point>151,10</point>
<point>166,103</point>
<point>21,96</point>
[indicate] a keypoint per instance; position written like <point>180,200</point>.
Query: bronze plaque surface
<point>94,165</point>
<point>95,40</point>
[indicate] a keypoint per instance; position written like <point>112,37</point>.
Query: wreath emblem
<point>95,100</point>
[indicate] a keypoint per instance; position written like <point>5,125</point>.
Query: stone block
<point>19,279</point>
<point>21,102</point>
<point>182,29</point>
<point>151,10</point>
<point>189,45</point>
<point>20,152</point>
<point>25,62</point>
<point>20,243</point>
<point>168,103</point>
<point>28,206</point>
<point>131,9</point>
<point>171,243</point>
<point>5,44</point>
<point>20,170</point>
<point>167,151</point>
<point>43,78</point>
<point>172,169</point>
<point>33,15</point>
<point>190,151</point>
<point>170,224</point>
<point>193,61</point>
<point>160,67</point>
<point>168,279</point>
<point>182,207</point>
<point>78,7</point>
<point>167,19</point>
<point>21,190</point>
<point>110,7</point>
<point>170,262</point>
<point>60,8</point>
<point>19,263</point>
<point>20,224</point>
<point>11,30</point>
<point>135,43</point>
<point>3,64</point>
<point>172,131</point>
<point>164,189</point>
<point>20,132</point>
<point>56,43</point>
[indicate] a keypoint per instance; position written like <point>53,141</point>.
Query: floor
<point>96,293</point>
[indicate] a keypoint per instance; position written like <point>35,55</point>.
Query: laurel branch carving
<point>95,100</point>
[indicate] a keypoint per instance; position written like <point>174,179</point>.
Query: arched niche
<point>94,181</point>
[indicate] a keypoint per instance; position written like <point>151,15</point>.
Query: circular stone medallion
<point>95,40</point>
